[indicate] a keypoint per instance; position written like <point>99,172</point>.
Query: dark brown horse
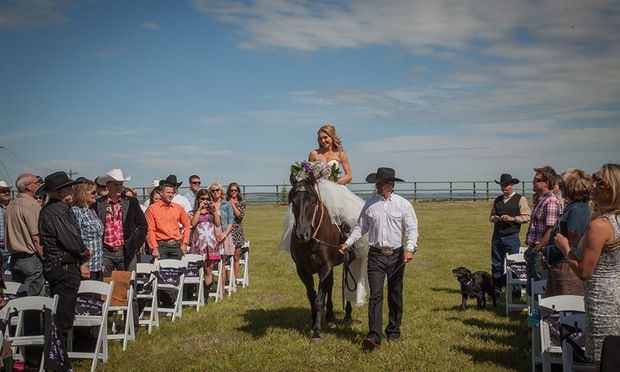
<point>314,248</point>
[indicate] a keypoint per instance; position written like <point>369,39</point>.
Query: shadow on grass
<point>446,290</point>
<point>510,359</point>
<point>295,319</point>
<point>514,336</point>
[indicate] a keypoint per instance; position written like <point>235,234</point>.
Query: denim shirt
<point>576,215</point>
<point>226,214</point>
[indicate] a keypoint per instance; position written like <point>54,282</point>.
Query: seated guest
<point>596,260</point>
<point>91,228</point>
<point>63,248</point>
<point>575,188</point>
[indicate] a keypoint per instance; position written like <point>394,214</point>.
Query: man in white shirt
<point>387,218</point>
<point>194,186</point>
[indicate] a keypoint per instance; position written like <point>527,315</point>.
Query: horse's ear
<point>293,180</point>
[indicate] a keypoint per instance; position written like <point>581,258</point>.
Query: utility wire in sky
<point>22,160</point>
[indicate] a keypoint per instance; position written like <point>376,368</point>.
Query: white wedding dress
<point>343,207</point>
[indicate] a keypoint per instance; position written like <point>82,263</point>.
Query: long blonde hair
<point>81,193</point>
<point>610,173</point>
<point>330,130</point>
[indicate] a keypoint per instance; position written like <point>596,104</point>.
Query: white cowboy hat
<point>4,185</point>
<point>113,175</point>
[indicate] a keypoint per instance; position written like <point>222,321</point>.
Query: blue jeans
<point>28,269</point>
<point>501,245</point>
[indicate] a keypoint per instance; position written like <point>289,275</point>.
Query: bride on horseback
<point>344,206</point>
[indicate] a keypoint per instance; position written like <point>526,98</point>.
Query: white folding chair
<point>11,290</point>
<point>195,276</point>
<point>19,305</point>
<point>550,352</point>
<point>147,291</point>
<point>97,317</point>
<point>229,266</point>
<point>577,322</point>
<point>243,263</point>
<point>513,280</point>
<point>538,289</point>
<point>172,278</point>
<point>217,280</point>
<point>122,304</point>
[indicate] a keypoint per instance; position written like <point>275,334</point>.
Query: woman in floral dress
<point>205,223</point>
<point>234,197</point>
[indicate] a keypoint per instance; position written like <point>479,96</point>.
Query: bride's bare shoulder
<point>314,155</point>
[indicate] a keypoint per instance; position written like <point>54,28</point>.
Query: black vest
<point>511,209</point>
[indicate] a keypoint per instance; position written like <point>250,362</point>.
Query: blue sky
<point>236,90</point>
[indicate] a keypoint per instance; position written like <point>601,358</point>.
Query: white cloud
<point>19,15</point>
<point>150,26</point>
<point>200,150</point>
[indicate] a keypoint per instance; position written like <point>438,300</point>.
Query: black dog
<point>474,285</point>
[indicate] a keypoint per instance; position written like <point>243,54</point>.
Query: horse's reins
<point>346,272</point>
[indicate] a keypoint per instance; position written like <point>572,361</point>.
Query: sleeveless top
<point>602,299</point>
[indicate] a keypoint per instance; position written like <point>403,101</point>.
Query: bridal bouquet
<point>317,168</point>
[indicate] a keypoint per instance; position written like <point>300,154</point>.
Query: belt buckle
<point>387,251</point>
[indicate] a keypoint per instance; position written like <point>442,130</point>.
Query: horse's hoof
<point>316,340</point>
<point>331,319</point>
<point>348,318</point>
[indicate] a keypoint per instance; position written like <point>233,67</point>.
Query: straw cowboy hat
<point>4,185</point>
<point>113,175</point>
<point>55,181</point>
<point>383,174</point>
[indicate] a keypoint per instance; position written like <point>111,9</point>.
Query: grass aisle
<point>266,325</point>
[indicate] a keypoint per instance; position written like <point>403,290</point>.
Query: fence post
<point>487,190</point>
<point>450,191</point>
<point>474,185</point>
<point>415,191</point>
<point>277,195</point>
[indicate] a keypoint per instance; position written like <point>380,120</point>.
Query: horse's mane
<point>301,186</point>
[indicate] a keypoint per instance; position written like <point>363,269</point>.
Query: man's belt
<point>171,242</point>
<point>113,249</point>
<point>386,251</point>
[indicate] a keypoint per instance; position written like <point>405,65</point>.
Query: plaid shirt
<point>113,235</point>
<point>544,216</point>
<point>91,230</point>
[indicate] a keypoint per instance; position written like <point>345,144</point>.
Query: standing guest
<point>63,248</point>
<point>234,197</point>
<point>509,211</point>
<point>102,188</point>
<point>154,194</point>
<point>205,222</point>
<point>224,237</point>
<point>388,219</point>
<point>557,190</point>
<point>546,212</point>
<point>5,198</point>
<point>596,261</point>
<point>194,186</point>
<point>91,228</point>
<point>178,198</point>
<point>124,224</point>
<point>575,187</point>
<point>22,233</point>
<point>129,193</point>
<point>163,218</point>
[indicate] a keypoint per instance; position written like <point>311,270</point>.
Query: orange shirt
<point>163,223</point>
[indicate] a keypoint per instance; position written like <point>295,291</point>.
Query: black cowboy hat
<point>55,181</point>
<point>506,178</point>
<point>171,180</point>
<point>383,175</point>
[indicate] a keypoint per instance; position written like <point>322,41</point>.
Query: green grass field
<point>266,325</point>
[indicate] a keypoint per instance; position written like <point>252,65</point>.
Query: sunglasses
<point>5,191</point>
<point>205,199</point>
<point>234,190</point>
<point>538,180</point>
<point>195,183</point>
<point>216,190</point>
<point>598,181</point>
<point>93,193</point>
